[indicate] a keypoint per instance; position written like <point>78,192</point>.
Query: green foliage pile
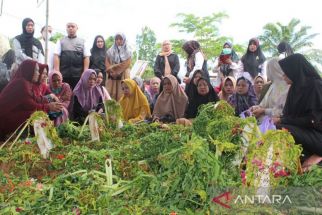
<point>155,169</point>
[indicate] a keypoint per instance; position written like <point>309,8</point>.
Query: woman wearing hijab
<point>244,98</point>
<point>273,102</point>
<point>204,94</point>
<point>117,62</point>
<point>302,113</point>
<point>167,62</point>
<point>26,46</point>
<point>154,90</point>
<point>191,88</point>
<point>87,96</point>
<point>259,82</point>
<point>284,49</point>
<point>196,60</point>
<point>40,89</point>
<point>154,86</point>
<point>171,103</point>
<point>227,63</point>
<point>17,102</point>
<point>252,61</point>
<point>98,55</point>
<point>134,104</point>
<point>99,82</point>
<point>62,93</point>
<point>228,88</point>
<point>140,83</point>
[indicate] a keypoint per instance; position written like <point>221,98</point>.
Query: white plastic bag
<point>44,144</point>
<point>93,127</point>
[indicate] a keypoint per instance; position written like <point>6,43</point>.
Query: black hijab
<point>191,88</point>
<point>252,60</point>
<point>95,49</point>
<point>27,40</point>
<point>284,47</point>
<point>197,99</point>
<point>304,97</point>
<point>98,55</point>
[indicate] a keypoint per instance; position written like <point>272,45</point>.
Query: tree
<point>297,36</point>
<point>109,41</point>
<point>146,45</point>
<point>57,36</point>
<point>203,29</point>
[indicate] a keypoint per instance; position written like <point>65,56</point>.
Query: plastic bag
<point>267,124</point>
<point>44,143</point>
<point>93,127</point>
<point>245,114</point>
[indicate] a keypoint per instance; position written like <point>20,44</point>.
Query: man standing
<point>71,56</point>
<point>26,46</point>
<point>51,46</point>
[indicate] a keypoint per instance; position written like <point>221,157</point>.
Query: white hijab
<point>118,54</point>
<point>276,95</point>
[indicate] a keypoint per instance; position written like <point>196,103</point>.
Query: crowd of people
<point>287,88</point>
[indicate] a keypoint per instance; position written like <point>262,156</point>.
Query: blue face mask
<point>226,51</point>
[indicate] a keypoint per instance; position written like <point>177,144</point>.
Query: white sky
<point>106,17</point>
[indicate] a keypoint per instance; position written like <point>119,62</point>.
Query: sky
<point>106,17</point>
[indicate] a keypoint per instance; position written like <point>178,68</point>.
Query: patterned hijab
<point>243,102</point>
<point>118,54</point>
<point>87,97</point>
<point>173,103</point>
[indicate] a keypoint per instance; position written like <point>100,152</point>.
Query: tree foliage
<point>109,41</point>
<point>146,45</point>
<point>297,36</point>
<point>57,36</point>
<point>203,29</point>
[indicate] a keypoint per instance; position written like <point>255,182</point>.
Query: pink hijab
<point>87,97</point>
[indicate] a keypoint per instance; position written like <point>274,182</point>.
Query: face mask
<point>44,35</point>
<point>226,51</point>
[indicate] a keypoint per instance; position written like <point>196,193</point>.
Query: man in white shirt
<point>71,56</point>
<point>51,46</point>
